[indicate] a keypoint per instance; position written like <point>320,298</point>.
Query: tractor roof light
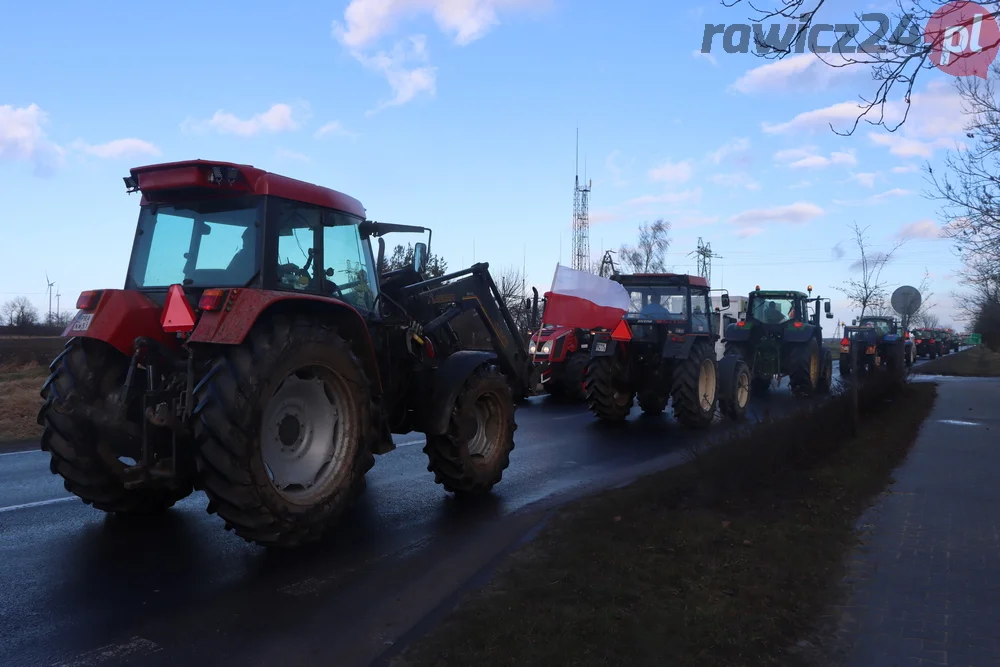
<point>131,184</point>
<point>756,288</point>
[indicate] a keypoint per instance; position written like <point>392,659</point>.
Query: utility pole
<point>705,255</point>
<point>581,217</point>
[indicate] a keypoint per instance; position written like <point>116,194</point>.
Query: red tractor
<point>258,352</point>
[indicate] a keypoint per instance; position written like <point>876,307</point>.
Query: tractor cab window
<point>658,303</point>
<point>700,309</point>
<point>199,244</point>
<point>298,226</point>
<point>775,310</point>
<point>881,326</point>
<point>349,272</point>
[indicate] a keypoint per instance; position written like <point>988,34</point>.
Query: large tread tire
<point>575,376</point>
<point>455,467</point>
<point>652,403</point>
<point>603,399</point>
<point>92,370</point>
<point>826,373</point>
<point>230,405</point>
<point>804,376</point>
<point>685,391</point>
<point>735,398</point>
<point>845,365</point>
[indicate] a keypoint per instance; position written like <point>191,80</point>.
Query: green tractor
<point>778,337</point>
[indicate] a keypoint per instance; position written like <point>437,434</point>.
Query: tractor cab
<point>666,307</point>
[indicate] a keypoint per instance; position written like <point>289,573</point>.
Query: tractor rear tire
<point>845,365</point>
<point>695,387</point>
<point>575,374</point>
<point>805,363</point>
<point>281,424</point>
<point>734,390</point>
<point>92,371</point>
<point>826,373</point>
<point>470,457</point>
<point>603,399</point>
<point>652,403</point>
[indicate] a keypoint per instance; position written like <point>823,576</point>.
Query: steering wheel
<point>294,270</point>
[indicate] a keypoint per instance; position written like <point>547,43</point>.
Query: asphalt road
<point>84,590</point>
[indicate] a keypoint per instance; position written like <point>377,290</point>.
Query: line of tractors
<point>260,351</point>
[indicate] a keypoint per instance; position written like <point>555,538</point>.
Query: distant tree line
<point>19,315</point>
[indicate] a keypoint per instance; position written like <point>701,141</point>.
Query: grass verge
<point>727,560</point>
<point>972,362</point>
<point>19,400</point>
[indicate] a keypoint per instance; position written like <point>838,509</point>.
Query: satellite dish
<point>906,300</point>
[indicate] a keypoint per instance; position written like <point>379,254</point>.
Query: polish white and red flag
<point>581,299</point>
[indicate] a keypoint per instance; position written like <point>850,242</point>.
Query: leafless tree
<point>926,305</point>
<point>868,289</point>
<point>925,321</point>
<point>510,281</point>
<point>893,50</point>
<point>402,256</point>
<point>20,312</point>
<point>648,255</point>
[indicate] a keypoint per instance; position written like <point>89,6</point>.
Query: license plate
<point>601,347</point>
<point>82,322</point>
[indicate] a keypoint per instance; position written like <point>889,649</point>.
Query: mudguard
<point>609,348</point>
<point>738,334</point>
<point>119,317</point>
<point>449,378</point>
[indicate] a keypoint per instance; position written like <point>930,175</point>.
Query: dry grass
<point>725,561</point>
<point>973,362</point>
<point>19,400</point>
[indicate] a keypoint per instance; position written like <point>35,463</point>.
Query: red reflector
<point>797,325</point>
<point>741,324</point>
<point>677,339</point>
<point>622,332</point>
<point>906,335</point>
<point>845,341</point>
<point>178,315</point>
<point>932,340</point>
<point>212,299</point>
<point>88,300</point>
<point>429,347</point>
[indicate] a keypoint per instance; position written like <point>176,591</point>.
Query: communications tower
<point>581,217</point>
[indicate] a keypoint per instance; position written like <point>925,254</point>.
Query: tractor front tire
<point>575,374</point>
<point>281,423</point>
<point>470,457</point>
<point>92,372</point>
<point>603,398</point>
<point>695,387</point>
<point>805,363</point>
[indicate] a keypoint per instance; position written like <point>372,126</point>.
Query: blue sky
<point>461,116</point>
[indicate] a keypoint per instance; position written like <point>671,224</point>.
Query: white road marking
<point>137,647</point>
<point>37,503</point>
<point>957,422</point>
<point>26,451</point>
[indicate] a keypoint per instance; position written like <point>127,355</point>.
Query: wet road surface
<point>79,589</point>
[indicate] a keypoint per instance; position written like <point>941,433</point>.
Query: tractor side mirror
<point>725,301</point>
<point>826,308</point>
<point>420,257</point>
<point>829,315</point>
<point>854,322</point>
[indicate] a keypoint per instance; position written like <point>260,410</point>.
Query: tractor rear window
<point>658,303</point>
<point>210,244</point>
<point>772,310</point>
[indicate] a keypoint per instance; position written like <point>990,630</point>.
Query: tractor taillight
<point>677,339</point>
<point>88,300</point>
<point>931,341</point>
<point>212,299</point>
<point>741,323</point>
<point>906,335</point>
<point>871,350</point>
<point>797,325</point>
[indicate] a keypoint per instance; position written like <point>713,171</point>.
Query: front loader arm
<point>474,289</point>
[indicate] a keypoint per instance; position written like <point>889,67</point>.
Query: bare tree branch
<point>868,290</point>
<point>647,256</point>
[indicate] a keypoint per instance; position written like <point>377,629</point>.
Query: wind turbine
<point>58,310</point>
<point>49,284</point>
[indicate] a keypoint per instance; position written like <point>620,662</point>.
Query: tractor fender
<point>449,377</point>
<point>120,317</point>
<point>799,335</point>
<point>244,307</point>
<point>737,334</point>
<point>611,345</point>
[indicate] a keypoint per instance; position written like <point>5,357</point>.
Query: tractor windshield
<point>881,325</point>
<point>205,243</point>
<point>773,310</point>
<point>658,303</point>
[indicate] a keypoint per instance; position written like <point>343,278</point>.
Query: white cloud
<point>797,213</point>
<point>672,172</point>
<point>333,128</point>
<point>692,195</point>
<point>793,154</point>
<point>800,184</point>
<point>405,68</point>
<point>843,157</point>
<point>285,154</point>
<point>698,53</point>
<point>922,229</point>
<point>365,21</point>
<point>736,180</point>
<point>119,148</point>
<point>279,118</point>
<point>22,137</point>
<point>906,169</point>
<point>865,179</point>
<point>746,232</point>
<point>734,147</point>
<point>798,73</point>
<point>806,158</point>
<point>875,199</point>
<point>811,162</point>
<point>908,147</point>
<point>839,115</point>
